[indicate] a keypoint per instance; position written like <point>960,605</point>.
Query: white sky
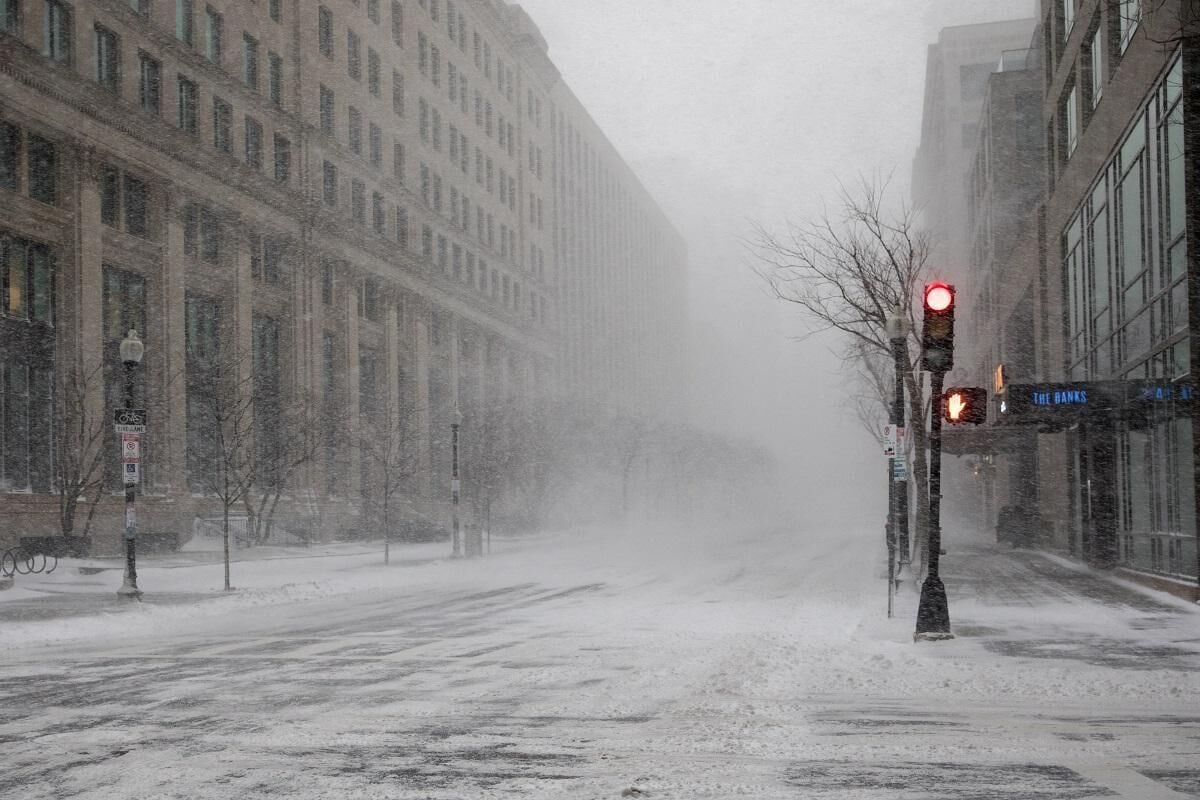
<point>736,110</point>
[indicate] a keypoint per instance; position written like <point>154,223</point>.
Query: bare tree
<point>79,447</point>
<point>391,455</point>
<point>848,272</point>
<point>278,459</point>
<point>225,413</point>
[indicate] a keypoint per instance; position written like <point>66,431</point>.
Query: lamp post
<point>898,328</point>
<point>132,350</point>
<point>455,485</point>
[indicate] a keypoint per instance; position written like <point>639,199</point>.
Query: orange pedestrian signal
<point>965,406</point>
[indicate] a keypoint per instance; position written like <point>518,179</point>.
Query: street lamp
<point>898,328</point>
<point>455,485</point>
<point>132,350</point>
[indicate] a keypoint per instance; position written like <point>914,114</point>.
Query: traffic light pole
<point>933,614</point>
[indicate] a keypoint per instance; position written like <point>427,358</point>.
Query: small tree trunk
<point>225,532</point>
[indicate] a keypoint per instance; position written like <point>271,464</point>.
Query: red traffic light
<point>965,406</point>
<point>939,296</point>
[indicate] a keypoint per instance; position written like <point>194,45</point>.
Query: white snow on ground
<point>688,663</point>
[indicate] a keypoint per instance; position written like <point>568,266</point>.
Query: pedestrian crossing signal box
<point>965,406</point>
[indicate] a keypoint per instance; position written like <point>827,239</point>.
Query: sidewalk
<point>81,587</point>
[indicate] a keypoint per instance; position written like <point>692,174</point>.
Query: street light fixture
<point>455,485</point>
<point>131,350</point>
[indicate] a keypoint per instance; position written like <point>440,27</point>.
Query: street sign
<point>129,420</point>
<point>1062,404</point>
<point>131,446</point>
<point>132,471</point>
<point>900,469</point>
<point>894,440</point>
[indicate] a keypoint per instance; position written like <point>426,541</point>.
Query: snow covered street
<point>678,666</point>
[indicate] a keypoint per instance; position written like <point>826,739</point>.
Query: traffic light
<point>963,406</point>
<point>937,334</point>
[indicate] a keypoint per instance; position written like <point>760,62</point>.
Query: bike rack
<point>18,562</point>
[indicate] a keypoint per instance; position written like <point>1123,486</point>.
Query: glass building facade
<point>1126,291</point>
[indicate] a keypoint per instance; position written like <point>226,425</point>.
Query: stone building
<point>367,214</point>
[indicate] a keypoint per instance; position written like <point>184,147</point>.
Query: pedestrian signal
<point>965,406</point>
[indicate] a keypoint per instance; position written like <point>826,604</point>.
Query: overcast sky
<point>736,110</point>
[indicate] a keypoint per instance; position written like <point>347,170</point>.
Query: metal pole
<point>454,489</point>
<point>889,532</point>
<point>900,354</point>
<point>129,588</point>
<point>933,615</point>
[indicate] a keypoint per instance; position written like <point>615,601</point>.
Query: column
<point>352,453</point>
<point>89,288</point>
<point>420,322</point>
<point>173,380</point>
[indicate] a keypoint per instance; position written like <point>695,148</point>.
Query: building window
<point>327,111</point>
<point>330,184</point>
<point>422,53</point>
<point>266,259</point>
<point>222,125</point>
<point>402,228</point>
<point>398,161</point>
<point>397,93</point>
<point>423,119</point>
<point>250,58</point>
<point>58,39</point>
<point>275,78</point>
<point>149,83</point>
<point>27,272</point>
<point>1071,121</point>
<point>427,242</point>
<point>378,214</point>
<point>254,143</point>
<point>189,99</point>
<point>110,197</point>
<point>327,270</point>
<point>43,169</point>
<point>283,159</point>
<point>325,31</point>
<point>1097,61</point>
<point>1068,15</point>
<point>373,80</point>
<point>435,65</point>
<point>397,23</point>
<point>373,11</point>
<point>137,197</point>
<point>375,145</point>
<point>1130,14</point>
<point>214,34</point>
<point>9,16</point>
<point>275,9</point>
<point>108,59</point>
<point>185,30</point>
<point>355,130</point>
<point>353,55</point>
<point>358,202</point>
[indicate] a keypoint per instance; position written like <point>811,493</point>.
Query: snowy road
<point>753,668</point>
